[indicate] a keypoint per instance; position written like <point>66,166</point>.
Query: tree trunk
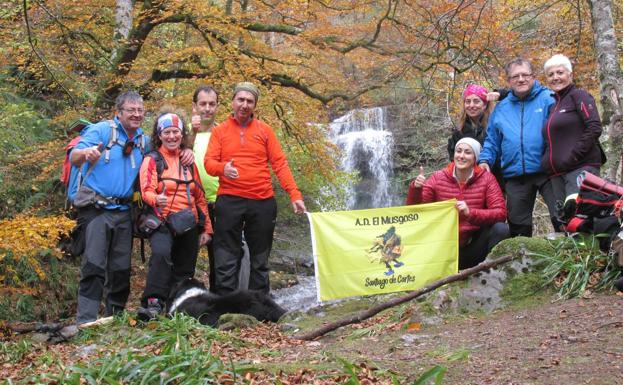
<point>123,24</point>
<point>610,80</point>
<point>228,6</point>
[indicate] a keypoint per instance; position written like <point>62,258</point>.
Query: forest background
<point>61,60</point>
<point>313,60</point>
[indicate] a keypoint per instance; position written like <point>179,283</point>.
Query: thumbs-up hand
<point>418,182</point>
<point>230,171</point>
<point>493,96</point>
<point>161,199</point>
<point>195,123</point>
<point>92,154</point>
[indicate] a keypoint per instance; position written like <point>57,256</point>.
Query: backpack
<point>592,209</point>
<point>71,176</point>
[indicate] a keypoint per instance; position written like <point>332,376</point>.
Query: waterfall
<point>367,148</point>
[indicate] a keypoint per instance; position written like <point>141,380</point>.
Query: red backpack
<point>76,127</point>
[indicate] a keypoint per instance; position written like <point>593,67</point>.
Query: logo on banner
<point>386,249</point>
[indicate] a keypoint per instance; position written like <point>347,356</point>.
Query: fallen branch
<point>29,327</point>
<point>397,301</point>
<point>609,324</point>
<point>97,322</point>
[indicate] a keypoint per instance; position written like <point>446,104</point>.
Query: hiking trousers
<point>173,259</point>
<point>105,268</point>
<point>520,198</point>
<point>257,217</point>
<point>481,243</point>
<point>243,276</point>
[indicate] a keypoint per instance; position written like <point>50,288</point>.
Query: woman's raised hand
<point>418,182</point>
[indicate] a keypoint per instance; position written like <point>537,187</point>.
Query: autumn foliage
<point>26,237</point>
<point>311,59</point>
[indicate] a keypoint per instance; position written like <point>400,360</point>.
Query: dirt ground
<point>578,341</point>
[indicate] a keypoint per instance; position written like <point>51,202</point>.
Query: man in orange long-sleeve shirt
<point>239,153</point>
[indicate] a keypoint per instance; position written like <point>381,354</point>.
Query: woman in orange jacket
<point>173,191</point>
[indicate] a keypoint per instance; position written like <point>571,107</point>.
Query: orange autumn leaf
<point>414,327</point>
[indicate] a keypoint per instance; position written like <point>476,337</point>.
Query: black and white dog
<point>191,297</point>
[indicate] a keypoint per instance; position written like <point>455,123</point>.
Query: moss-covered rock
<point>518,245</point>
<point>494,288</point>
<point>281,279</point>
<point>236,321</point>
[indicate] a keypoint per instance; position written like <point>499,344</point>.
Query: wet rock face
<point>366,147</point>
<point>420,135</point>
<point>380,143</point>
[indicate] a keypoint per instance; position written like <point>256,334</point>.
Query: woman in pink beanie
<point>474,117</point>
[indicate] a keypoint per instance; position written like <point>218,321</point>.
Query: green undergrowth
<point>24,121</point>
<point>175,350</point>
<point>31,180</point>
<point>46,299</point>
<point>577,265</point>
<point>566,266</point>
<point>31,154</point>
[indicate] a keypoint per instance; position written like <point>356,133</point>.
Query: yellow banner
<point>377,251</point>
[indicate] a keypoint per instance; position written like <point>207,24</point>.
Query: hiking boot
<point>113,310</point>
<point>153,309</point>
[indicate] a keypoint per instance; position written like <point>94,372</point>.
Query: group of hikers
<point>210,184</point>
<point>206,197</point>
<point>536,139</point>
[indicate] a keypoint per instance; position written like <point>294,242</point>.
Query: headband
<point>169,120</point>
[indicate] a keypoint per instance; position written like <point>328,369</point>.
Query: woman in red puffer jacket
<point>481,206</point>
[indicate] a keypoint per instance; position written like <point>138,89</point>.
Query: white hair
<point>558,60</point>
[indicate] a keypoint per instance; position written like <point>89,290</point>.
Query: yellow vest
<point>209,182</point>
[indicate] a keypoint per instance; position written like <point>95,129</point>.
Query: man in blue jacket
<point>109,167</point>
<point>514,136</point>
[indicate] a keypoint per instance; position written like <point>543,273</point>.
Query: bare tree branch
<point>34,50</point>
